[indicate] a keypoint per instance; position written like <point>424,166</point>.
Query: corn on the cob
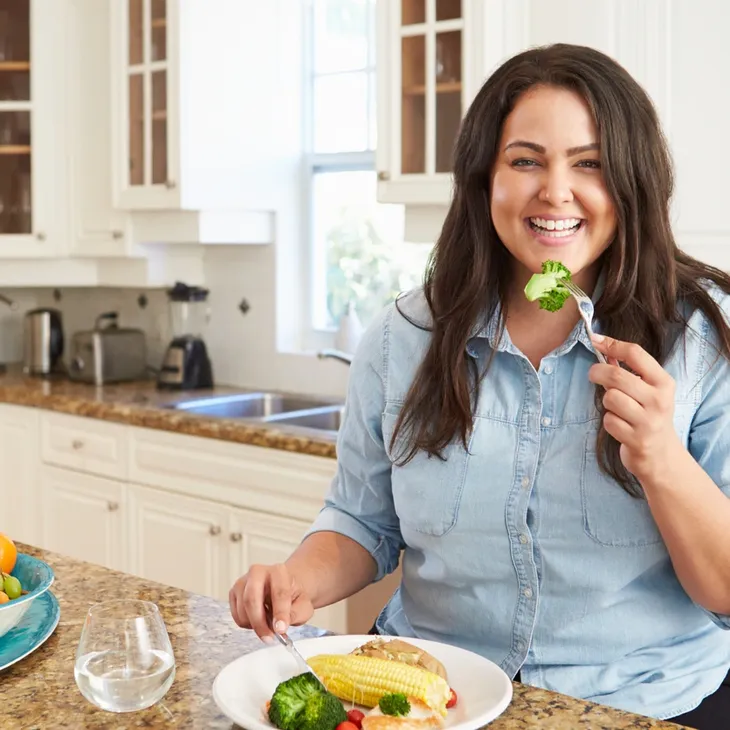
<point>364,680</point>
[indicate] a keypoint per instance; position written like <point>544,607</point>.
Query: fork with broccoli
<point>551,289</point>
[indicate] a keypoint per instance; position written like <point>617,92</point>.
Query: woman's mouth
<point>556,228</point>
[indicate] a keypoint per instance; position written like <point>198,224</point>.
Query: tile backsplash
<point>242,347</point>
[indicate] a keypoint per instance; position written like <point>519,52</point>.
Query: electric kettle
<point>42,341</point>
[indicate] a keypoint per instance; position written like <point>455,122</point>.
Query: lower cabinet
<point>178,540</point>
<point>19,461</point>
<point>83,516</point>
<point>133,510</point>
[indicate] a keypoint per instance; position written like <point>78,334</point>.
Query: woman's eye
<point>523,163</point>
<point>590,164</point>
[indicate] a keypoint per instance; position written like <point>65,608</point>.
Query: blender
<point>186,365</point>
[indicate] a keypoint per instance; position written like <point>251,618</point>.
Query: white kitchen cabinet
<point>258,538</point>
<point>179,541</point>
<point>199,119</point>
<point>19,463</point>
<point>424,84</point>
<point>185,511</point>
<point>32,167</point>
<point>97,228</point>
<point>83,516</point>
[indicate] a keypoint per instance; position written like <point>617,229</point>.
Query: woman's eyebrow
<point>541,150</point>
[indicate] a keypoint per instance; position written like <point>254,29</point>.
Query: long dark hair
<point>646,275</point>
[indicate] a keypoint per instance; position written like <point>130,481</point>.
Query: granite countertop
<point>39,692</point>
<point>142,404</point>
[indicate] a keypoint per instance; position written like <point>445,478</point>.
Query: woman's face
<point>549,199</point>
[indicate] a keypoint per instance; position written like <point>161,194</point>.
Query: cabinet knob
<point>236,537</point>
<point>383,175</point>
<point>214,530</point>
<point>117,235</point>
<point>40,236</point>
<point>170,184</point>
<point>77,444</point>
<point>112,506</point>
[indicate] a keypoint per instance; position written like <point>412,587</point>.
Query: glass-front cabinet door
<point>16,199</point>
<point>421,47</point>
<point>147,177</point>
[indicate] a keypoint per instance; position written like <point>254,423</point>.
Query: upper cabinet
<point>199,118</point>
<point>31,93</point>
<point>424,85</point>
<point>149,159</point>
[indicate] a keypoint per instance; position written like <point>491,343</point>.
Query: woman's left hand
<point>639,406</point>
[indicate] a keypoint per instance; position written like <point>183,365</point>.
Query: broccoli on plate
<point>395,704</point>
<point>301,703</point>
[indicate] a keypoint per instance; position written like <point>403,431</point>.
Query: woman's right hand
<point>269,591</point>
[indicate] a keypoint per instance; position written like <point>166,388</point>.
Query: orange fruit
<point>8,554</point>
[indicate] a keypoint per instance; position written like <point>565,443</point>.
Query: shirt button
<point>548,370</point>
<point>520,646</point>
<point>523,539</point>
<point>546,421</point>
<point>527,593</point>
<point>525,482</point>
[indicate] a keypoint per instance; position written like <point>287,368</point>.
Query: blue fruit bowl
<point>36,577</point>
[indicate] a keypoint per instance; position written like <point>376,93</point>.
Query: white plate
<point>242,688</point>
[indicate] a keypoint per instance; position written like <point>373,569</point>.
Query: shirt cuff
<point>331,519</point>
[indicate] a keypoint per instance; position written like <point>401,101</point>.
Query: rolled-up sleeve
<point>709,436</point>
<point>359,504</point>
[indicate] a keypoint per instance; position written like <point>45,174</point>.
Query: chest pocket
<point>612,517</point>
<point>427,490</point>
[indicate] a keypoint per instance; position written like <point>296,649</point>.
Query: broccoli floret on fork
<point>548,288</point>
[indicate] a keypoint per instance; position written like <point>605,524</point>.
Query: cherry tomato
<point>355,717</point>
<point>452,700</point>
<point>346,726</point>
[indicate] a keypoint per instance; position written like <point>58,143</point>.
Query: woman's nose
<point>556,188</point>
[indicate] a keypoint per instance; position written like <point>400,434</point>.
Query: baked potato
<point>401,651</point>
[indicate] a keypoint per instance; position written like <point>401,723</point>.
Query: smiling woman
<point>563,515</point>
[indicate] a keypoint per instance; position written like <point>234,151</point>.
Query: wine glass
<point>124,661</point>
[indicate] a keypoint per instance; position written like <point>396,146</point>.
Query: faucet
<point>345,357</point>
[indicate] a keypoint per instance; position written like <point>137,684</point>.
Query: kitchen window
<point>356,249</point>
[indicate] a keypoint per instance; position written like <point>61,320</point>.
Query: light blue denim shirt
<point>522,550</point>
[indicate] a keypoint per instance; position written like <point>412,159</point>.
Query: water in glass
<point>124,661</point>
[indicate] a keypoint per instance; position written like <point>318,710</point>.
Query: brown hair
<point>646,275</point>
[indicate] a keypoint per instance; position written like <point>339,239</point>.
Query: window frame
<point>313,163</point>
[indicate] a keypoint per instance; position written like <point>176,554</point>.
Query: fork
<point>285,640</point>
<point>585,306</point>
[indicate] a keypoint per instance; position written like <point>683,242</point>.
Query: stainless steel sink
<point>320,419</point>
<point>249,405</point>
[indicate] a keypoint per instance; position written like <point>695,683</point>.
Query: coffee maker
<point>186,365</point>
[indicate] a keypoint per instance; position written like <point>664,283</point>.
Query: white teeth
<point>555,225</point>
<point>555,228</point>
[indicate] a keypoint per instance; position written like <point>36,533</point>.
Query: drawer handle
<point>77,444</point>
<point>112,506</point>
<point>214,530</point>
<point>236,537</point>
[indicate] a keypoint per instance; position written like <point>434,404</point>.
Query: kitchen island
<point>39,692</point>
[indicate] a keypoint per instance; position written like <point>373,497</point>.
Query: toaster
<point>108,353</point>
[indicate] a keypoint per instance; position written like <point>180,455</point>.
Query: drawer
<point>85,444</point>
<point>255,477</point>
